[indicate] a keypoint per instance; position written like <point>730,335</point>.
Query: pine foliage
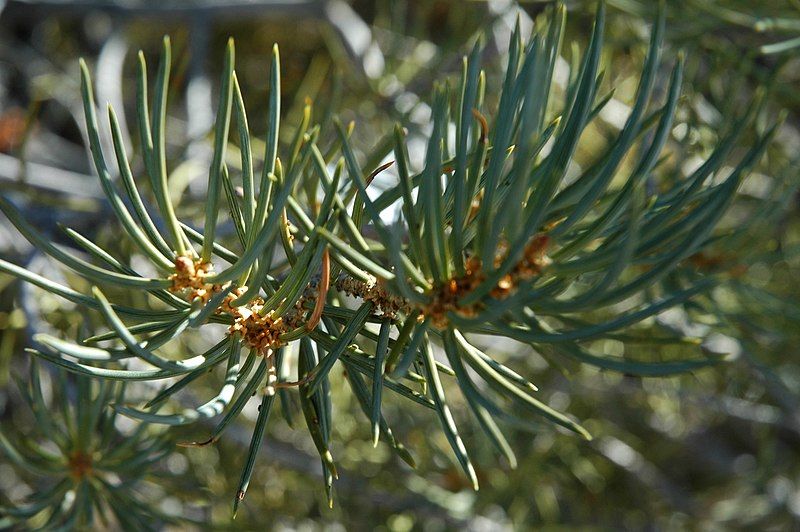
<point>497,236</point>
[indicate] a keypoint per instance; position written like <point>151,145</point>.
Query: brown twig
<point>377,171</point>
<point>324,284</point>
<point>292,384</point>
<point>484,125</point>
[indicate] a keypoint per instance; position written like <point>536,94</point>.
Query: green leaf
<point>314,407</point>
<point>265,235</point>
<point>244,397</point>
<point>500,141</point>
<point>445,417</point>
<point>400,368</point>
<point>377,381</point>
<point>554,166</point>
<point>121,211</point>
<point>98,253</point>
<point>87,270</point>
<point>362,394</point>
<point>145,353</point>
<point>220,144</point>
<point>264,411</point>
<point>477,402</point>
<point>271,149</point>
<point>158,157</point>
<point>211,357</point>
<point>211,408</point>
<point>248,185</point>
<point>360,362</point>
<point>461,199</point>
<point>347,335</point>
<point>496,380</point>
<point>234,209</point>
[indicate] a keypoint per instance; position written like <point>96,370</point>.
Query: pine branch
<point>496,237</point>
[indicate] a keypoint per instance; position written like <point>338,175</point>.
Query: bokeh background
<point>714,450</point>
